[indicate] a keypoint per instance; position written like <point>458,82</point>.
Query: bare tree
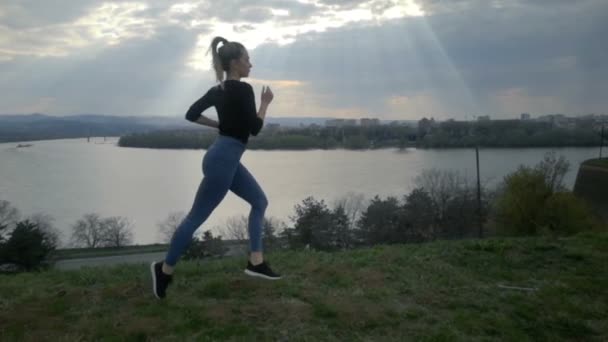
<point>117,232</point>
<point>88,231</point>
<point>277,224</point>
<point>167,228</point>
<point>270,233</point>
<point>8,214</point>
<point>8,217</point>
<point>44,222</point>
<point>442,186</point>
<point>554,170</point>
<point>353,205</point>
<point>236,228</point>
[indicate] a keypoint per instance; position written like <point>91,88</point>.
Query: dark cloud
<point>458,6</point>
<point>465,55</point>
<point>376,6</point>
<point>33,13</point>
<point>252,11</point>
<point>477,54</point>
<point>345,4</point>
<point>243,28</point>
<point>252,14</point>
<point>133,78</point>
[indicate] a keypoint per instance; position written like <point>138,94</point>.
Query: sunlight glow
<point>409,9</point>
<point>277,83</point>
<point>114,22</point>
<point>279,12</point>
<point>279,33</point>
<point>182,8</point>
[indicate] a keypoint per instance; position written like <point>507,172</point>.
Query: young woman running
<point>222,171</point>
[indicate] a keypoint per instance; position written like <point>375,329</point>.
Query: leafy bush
<point>208,246</point>
<point>318,227</point>
<point>522,198</point>
<point>565,214</point>
<point>535,201</point>
<point>381,222</point>
<point>28,247</point>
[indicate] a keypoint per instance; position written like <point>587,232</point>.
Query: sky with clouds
<point>387,59</point>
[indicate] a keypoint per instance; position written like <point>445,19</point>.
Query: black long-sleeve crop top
<point>235,105</point>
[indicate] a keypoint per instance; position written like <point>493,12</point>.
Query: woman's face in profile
<point>242,65</point>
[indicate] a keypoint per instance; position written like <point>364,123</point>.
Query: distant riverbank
<point>364,138</point>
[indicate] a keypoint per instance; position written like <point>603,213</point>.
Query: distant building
<point>525,116</point>
<point>340,122</point>
<point>558,120</point>
<point>314,126</point>
<point>365,122</point>
<point>272,127</point>
<point>483,118</point>
<point>571,123</point>
<point>425,126</point>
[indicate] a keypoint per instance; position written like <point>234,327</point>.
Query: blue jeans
<point>222,171</point>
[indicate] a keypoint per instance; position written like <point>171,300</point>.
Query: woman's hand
<point>267,95</point>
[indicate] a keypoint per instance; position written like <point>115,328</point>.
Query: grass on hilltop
<point>517,289</point>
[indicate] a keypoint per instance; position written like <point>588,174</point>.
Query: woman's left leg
<point>247,188</point>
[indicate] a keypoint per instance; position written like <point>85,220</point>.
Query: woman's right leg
<point>219,166</point>
<point>211,192</point>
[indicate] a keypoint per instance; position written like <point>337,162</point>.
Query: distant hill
<point>27,127</point>
<point>42,127</point>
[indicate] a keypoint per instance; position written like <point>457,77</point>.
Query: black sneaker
<point>262,270</point>
<point>160,280</point>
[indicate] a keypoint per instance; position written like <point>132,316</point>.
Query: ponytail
<point>216,62</point>
<point>222,56</point>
